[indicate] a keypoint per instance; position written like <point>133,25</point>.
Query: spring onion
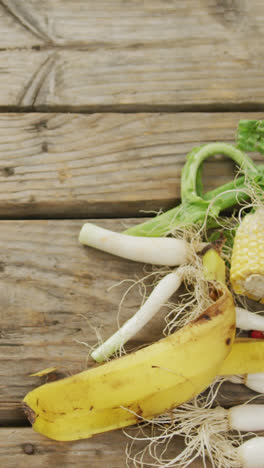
<point>196,207</point>
<point>214,434</point>
<point>159,296</point>
<point>246,320</point>
<point>253,381</point>
<point>245,417</point>
<point>211,268</point>
<point>251,453</point>
<point>157,251</point>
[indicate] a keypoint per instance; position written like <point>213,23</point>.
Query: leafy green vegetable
<point>250,135</point>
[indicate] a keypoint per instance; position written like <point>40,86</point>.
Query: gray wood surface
<point>120,91</point>
<point>26,449</point>
<point>82,22</point>
<point>105,165</point>
<point>131,55</point>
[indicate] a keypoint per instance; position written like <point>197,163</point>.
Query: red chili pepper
<point>256,334</point>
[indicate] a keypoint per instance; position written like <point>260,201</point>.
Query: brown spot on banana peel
<point>137,411</point>
<point>213,310</point>
<point>47,420</point>
<point>29,412</point>
<point>207,317</point>
<point>216,309</point>
<point>117,384</point>
<point>139,414</point>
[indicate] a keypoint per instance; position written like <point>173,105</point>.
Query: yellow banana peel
<point>142,384</point>
<point>246,357</point>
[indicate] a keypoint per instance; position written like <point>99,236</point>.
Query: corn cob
<point>247,262</point>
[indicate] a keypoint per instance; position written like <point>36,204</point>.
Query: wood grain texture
<point>84,23</point>
<point>130,80</point>
<point>131,55</point>
<point>54,293</point>
<point>25,449</point>
<point>102,165</point>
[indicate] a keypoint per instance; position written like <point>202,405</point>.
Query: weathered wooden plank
<point>196,76</point>
<point>84,23</point>
<point>131,55</point>
<point>26,449</point>
<point>54,293</point>
<point>72,165</point>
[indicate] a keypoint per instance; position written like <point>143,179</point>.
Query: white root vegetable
<point>251,453</point>
<point>246,418</point>
<point>249,320</point>
<point>166,251</point>
<point>253,381</point>
<point>159,296</point>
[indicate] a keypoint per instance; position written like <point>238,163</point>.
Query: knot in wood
<point>29,449</point>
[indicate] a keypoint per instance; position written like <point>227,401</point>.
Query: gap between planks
<point>213,108</point>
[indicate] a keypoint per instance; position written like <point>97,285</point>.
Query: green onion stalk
<point>196,207</point>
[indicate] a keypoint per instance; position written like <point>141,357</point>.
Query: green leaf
<point>250,135</point>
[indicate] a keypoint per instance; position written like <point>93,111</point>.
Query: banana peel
<point>142,384</point>
<point>246,357</point>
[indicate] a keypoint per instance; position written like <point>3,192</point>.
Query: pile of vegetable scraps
<point>213,245</point>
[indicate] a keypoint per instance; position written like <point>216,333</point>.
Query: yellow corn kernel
<point>247,262</point>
